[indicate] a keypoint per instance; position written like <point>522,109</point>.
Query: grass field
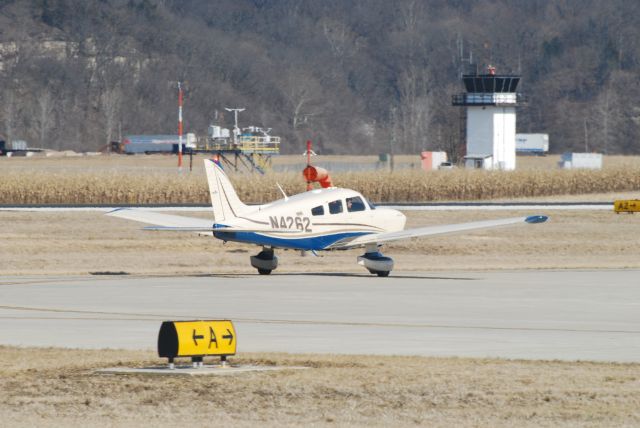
<point>84,242</point>
<point>56,387</point>
<point>154,179</point>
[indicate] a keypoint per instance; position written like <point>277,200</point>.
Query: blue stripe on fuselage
<point>310,243</point>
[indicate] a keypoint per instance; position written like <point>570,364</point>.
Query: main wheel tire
<point>383,273</point>
<point>264,271</point>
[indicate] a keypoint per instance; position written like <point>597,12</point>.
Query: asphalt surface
<point>568,315</point>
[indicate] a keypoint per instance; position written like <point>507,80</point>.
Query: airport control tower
<point>490,100</point>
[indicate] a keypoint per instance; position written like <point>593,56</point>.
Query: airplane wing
<point>379,238</point>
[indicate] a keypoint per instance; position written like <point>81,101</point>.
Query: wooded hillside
<point>355,76</point>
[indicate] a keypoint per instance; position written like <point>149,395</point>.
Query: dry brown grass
<point>119,180</point>
<point>83,242</point>
<point>55,387</point>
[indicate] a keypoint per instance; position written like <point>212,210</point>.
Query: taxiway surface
<point>569,315</point>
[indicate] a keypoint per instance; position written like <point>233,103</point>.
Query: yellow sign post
<point>626,206</point>
<point>196,339</point>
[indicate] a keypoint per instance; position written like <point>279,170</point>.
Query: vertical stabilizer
<point>224,200</point>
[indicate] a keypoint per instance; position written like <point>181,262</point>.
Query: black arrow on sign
<point>196,337</point>
<point>228,336</point>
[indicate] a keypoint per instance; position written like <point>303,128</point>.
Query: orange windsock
<point>314,174</point>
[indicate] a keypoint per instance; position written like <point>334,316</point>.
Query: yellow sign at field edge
<point>626,206</point>
<point>196,338</point>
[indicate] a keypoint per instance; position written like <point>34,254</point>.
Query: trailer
<point>534,144</point>
<point>135,144</point>
<point>581,160</point>
<point>16,148</point>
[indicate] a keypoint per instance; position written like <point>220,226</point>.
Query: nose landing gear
<point>265,261</point>
<point>375,262</point>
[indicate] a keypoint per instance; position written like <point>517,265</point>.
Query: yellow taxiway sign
<point>626,206</point>
<point>196,339</point>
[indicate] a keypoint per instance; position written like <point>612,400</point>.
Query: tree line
<point>363,76</point>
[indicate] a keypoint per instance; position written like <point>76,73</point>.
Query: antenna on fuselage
<point>286,198</point>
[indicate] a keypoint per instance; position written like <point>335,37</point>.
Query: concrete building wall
<point>491,131</point>
<point>504,147</point>
<point>479,131</point>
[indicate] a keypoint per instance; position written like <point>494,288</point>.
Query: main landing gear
<point>375,262</point>
<point>265,261</point>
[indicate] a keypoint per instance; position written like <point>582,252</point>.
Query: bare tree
<point>9,113</point>
<point>607,114</point>
<point>341,39</point>
<point>302,93</point>
<point>414,108</point>
<point>45,116</point>
<point>111,100</point>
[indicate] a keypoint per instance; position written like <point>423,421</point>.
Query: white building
<point>490,103</point>
<point>581,160</point>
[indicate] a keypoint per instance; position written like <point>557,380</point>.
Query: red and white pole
<point>179,126</point>
<point>309,185</point>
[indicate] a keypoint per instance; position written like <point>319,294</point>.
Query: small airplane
<point>325,219</point>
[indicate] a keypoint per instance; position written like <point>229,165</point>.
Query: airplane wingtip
<point>533,219</point>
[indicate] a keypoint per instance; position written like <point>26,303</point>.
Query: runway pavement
<point>568,315</point>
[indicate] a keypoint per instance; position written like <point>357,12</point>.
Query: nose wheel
<point>265,261</point>
<point>380,273</point>
<point>375,262</point>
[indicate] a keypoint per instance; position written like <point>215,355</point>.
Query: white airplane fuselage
<point>312,220</point>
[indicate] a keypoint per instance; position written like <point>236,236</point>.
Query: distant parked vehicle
<point>533,144</point>
<point>16,148</point>
<point>132,144</point>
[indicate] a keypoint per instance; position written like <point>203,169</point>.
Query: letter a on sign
<point>213,338</point>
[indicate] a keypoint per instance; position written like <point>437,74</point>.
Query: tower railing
<point>488,99</point>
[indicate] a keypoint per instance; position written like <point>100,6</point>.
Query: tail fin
<point>224,200</point>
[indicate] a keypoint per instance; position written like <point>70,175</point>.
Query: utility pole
<point>586,135</point>
<point>179,126</point>
<point>236,130</point>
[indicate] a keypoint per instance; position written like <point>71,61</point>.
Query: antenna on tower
<point>236,130</point>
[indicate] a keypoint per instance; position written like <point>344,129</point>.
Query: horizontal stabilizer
<point>179,229</point>
<point>229,229</point>
<point>159,219</point>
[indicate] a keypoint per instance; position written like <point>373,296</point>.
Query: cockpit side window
<point>355,204</point>
<point>335,207</point>
<point>319,210</point>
